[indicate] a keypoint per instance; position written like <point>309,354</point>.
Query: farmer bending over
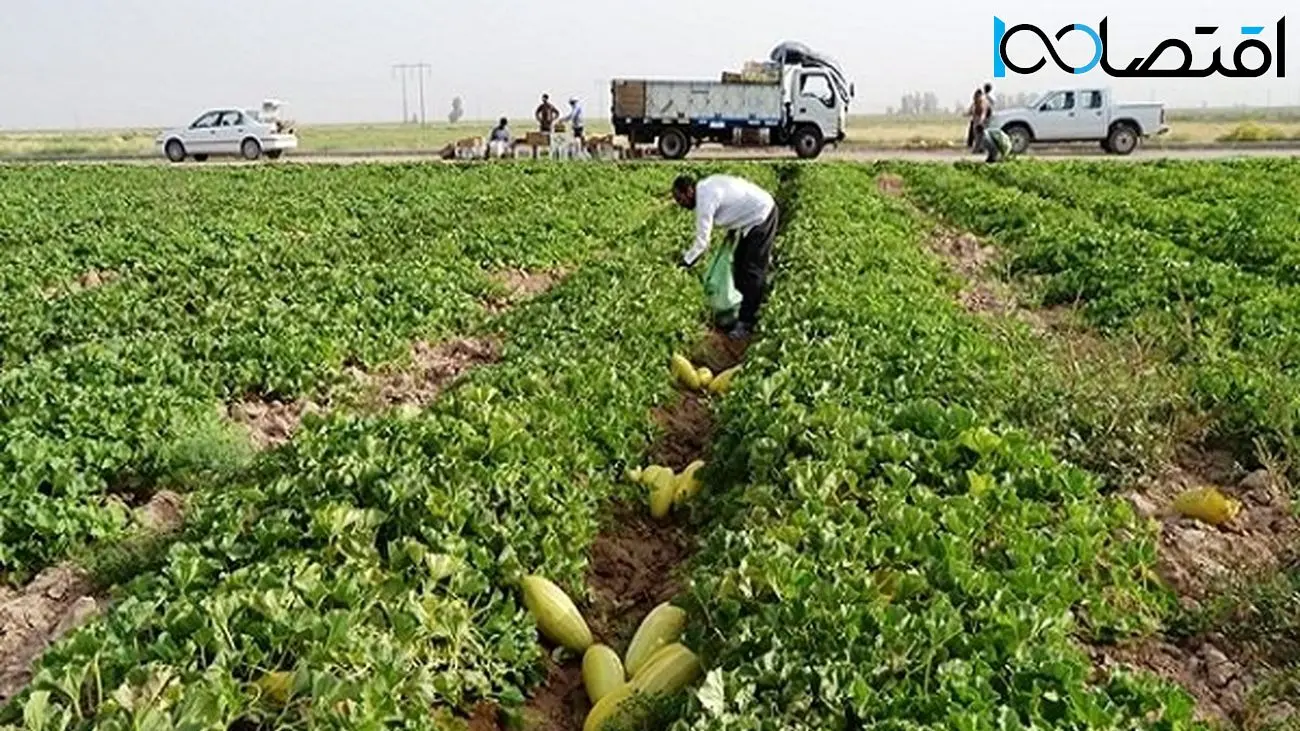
<point>997,143</point>
<point>746,212</point>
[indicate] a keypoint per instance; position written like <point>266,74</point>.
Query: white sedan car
<point>227,131</point>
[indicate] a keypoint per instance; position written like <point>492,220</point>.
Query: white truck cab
<point>1084,114</point>
<point>814,103</point>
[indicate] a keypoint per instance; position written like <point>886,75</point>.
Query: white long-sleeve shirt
<point>574,115</point>
<point>732,203</point>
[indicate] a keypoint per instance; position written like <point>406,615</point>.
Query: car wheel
<point>1123,139</point>
<point>673,144</point>
<point>251,149</point>
<point>175,151</point>
<point>1020,138</point>
<point>201,158</point>
<point>807,142</point>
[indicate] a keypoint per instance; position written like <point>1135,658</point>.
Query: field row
<point>373,554</point>
<point>138,302</point>
<point>1221,304</point>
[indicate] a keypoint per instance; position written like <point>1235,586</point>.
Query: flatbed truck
<point>798,99</point>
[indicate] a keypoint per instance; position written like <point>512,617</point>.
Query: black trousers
<point>749,266</point>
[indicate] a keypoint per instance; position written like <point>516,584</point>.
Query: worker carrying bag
<point>719,286</point>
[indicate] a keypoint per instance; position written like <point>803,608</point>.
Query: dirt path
<point>635,560</point>
<point>61,599</point>
<point>432,368</point>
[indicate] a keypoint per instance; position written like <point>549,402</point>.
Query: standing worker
<point>988,110</point>
<point>750,215</point>
<point>978,113</point>
<point>546,114</point>
<point>574,118</point>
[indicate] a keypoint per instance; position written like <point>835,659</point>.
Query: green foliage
<point>374,556</point>
<point>258,283</point>
<point>905,525</point>
<point>1220,305</point>
<point>891,552</point>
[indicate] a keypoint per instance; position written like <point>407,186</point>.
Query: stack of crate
<point>754,72</point>
<point>470,148</point>
<point>763,72</point>
<point>603,148</point>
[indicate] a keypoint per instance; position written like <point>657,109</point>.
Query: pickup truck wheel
<point>1020,138</point>
<point>251,149</point>
<point>274,154</point>
<point>1105,145</point>
<point>201,158</point>
<point>673,144</point>
<point>808,142</point>
<point>1123,139</point>
<point>175,151</point>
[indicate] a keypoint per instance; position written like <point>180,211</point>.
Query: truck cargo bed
<point>698,102</point>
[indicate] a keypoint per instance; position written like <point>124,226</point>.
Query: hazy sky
<point>110,63</point>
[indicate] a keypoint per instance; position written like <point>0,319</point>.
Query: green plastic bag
<point>1001,142</point>
<point>719,286</point>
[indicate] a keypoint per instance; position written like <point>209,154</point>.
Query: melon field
<point>1013,448</point>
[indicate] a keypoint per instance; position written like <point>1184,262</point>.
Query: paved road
<point>716,153</point>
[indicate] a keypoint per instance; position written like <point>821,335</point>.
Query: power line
<point>420,70</point>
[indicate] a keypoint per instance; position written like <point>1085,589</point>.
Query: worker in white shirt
<point>499,139</point>
<point>574,117</point>
<point>746,212</point>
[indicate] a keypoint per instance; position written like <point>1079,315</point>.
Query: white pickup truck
<point>1081,115</point>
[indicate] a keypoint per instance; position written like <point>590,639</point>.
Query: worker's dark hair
<point>683,183</point>
<point>988,86</point>
<point>503,121</point>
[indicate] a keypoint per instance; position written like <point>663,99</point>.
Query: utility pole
<point>420,70</point>
<point>423,68</point>
<point>399,70</point>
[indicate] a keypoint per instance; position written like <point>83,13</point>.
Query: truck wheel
<point>1020,138</point>
<point>1105,145</point>
<point>251,149</point>
<point>201,158</point>
<point>274,154</point>
<point>175,151</point>
<point>808,142</point>
<point>673,144</point>
<point>1123,139</point>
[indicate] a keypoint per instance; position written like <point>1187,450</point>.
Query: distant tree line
<point>917,103</point>
<point>926,103</point>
